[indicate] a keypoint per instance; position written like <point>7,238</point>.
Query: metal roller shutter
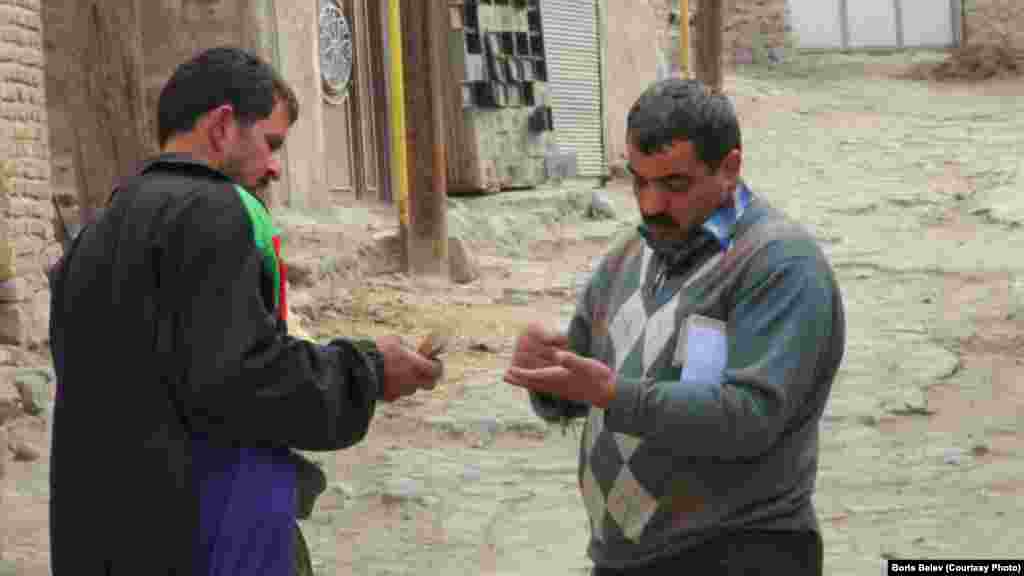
<point>573,52</point>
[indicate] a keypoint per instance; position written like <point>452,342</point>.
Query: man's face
<point>251,160</point>
<point>676,191</point>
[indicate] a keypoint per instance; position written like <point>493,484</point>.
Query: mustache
<point>660,220</point>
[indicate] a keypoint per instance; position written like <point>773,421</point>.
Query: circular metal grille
<point>335,51</point>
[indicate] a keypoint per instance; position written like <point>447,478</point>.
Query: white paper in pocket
<point>703,350</point>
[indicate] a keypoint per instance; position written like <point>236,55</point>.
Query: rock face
<point>462,263</point>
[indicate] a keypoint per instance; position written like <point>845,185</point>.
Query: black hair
<point>676,110</point>
<point>218,76</point>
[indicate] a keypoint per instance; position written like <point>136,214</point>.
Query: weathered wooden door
<point>350,127</point>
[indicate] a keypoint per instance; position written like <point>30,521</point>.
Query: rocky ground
<point>913,189</point>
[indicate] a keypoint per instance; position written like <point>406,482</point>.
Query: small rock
<point>600,207</point>
<point>487,425</point>
<point>980,450</point>
<point>462,265</point>
<point>471,474</point>
<point>24,452</point>
<point>953,456</point>
<point>403,490</point>
<point>34,388</point>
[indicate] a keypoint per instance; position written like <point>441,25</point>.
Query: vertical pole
<point>897,6</point>
<point>844,23</point>
<point>112,135</point>
<point>963,21</point>
<point>710,32</point>
<point>422,26</point>
<point>684,38</point>
<point>437,31</point>
<point>399,172</point>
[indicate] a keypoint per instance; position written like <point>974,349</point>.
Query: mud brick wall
<point>752,27</point>
<point>633,53</point>
<point>27,246</point>
<point>989,20</point>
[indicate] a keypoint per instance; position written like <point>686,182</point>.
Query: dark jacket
<point>169,346</point>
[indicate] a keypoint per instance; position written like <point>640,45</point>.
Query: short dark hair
<point>684,110</point>
<point>218,76</point>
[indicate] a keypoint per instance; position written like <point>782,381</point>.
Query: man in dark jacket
<point>180,395</point>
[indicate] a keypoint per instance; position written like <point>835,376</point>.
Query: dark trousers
<point>741,554</point>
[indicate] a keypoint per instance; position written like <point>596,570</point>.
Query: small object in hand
<point>435,344</point>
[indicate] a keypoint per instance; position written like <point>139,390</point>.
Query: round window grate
<point>335,51</point>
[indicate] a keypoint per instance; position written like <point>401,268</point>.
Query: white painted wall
<point>927,22</point>
<point>872,23</point>
<point>817,23</point>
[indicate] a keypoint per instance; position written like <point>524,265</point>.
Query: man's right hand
<point>405,371</point>
<point>536,348</point>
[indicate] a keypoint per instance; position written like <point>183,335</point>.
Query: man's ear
<point>221,128</point>
<point>731,167</point>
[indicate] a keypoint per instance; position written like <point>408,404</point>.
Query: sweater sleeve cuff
<point>623,414</point>
<point>375,363</point>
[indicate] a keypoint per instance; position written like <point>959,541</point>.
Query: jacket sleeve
<point>241,379</point>
<point>785,339</point>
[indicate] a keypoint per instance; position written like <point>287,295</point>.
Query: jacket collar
<point>722,223</point>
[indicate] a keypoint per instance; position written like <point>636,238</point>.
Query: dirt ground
<point>912,188</point>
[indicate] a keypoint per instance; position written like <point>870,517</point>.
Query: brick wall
<point>24,182</point>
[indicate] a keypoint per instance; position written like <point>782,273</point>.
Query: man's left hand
<point>573,378</point>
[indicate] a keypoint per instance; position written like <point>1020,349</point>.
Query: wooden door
<point>350,131</point>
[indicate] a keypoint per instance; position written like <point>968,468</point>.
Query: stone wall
<point>992,21</point>
<point>25,229</point>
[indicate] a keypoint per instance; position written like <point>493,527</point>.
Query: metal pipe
<point>399,170</point>
<point>684,38</point>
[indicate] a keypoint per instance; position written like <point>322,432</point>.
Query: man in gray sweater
<point>701,354</point>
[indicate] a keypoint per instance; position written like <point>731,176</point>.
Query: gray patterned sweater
<point>674,462</point>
